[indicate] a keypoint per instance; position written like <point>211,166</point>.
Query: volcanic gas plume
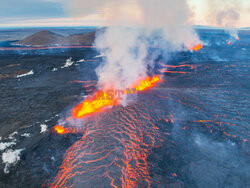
<point>133,27</point>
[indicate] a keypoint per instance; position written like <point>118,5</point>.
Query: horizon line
<point>98,26</point>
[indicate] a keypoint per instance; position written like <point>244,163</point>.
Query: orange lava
<point>68,130</point>
<point>173,72</point>
<point>197,47</point>
<point>92,104</point>
<point>59,129</point>
<point>95,158</point>
<point>102,100</point>
<point>147,83</point>
<point>176,66</point>
<point>134,132</point>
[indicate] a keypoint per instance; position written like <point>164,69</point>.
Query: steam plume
<point>225,14</point>
<point>131,25</point>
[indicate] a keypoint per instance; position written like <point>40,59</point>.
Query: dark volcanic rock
<point>42,38</point>
<point>48,38</point>
<point>82,39</point>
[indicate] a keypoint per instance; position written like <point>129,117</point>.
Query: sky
<point>32,13</point>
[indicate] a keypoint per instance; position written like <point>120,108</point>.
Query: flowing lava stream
<point>115,144</point>
<point>197,47</point>
<point>101,100</point>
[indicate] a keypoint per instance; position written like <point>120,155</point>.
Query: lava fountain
<point>197,47</point>
<point>102,100</point>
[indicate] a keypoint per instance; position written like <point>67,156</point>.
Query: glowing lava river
<point>115,144</point>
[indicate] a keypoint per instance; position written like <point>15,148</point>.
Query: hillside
<point>42,38</point>
<point>81,39</point>
<point>48,38</point>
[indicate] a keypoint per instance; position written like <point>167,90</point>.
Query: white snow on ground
<point>25,134</point>
<point>54,69</point>
<point>43,128</point>
<point>5,145</point>
<point>11,136</point>
<point>68,63</point>
<point>81,60</point>
<point>101,55</point>
<point>26,74</point>
<point>10,157</point>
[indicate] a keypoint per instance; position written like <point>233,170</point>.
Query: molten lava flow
<point>102,100</point>
<point>95,156</point>
<point>59,129</point>
<point>113,150</point>
<point>147,83</point>
<point>174,72</point>
<point>68,130</point>
<point>197,47</point>
<point>93,104</point>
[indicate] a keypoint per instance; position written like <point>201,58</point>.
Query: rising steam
<point>225,14</point>
<point>131,26</point>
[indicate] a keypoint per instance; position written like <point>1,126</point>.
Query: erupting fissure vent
<point>197,47</point>
<point>102,100</point>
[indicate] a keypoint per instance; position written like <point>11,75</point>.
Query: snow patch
<point>54,69</point>
<point>101,55</point>
<point>11,157</point>
<point>43,128</point>
<point>26,74</point>
<point>68,63</point>
<point>25,134</point>
<point>11,136</point>
<point>81,60</point>
<point>5,145</point>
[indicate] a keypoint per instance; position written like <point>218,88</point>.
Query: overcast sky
<point>19,13</point>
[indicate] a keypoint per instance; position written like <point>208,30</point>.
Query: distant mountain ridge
<point>48,38</point>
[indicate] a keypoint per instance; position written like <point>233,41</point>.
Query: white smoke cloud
<point>224,13</point>
<point>131,23</point>
<point>125,56</point>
